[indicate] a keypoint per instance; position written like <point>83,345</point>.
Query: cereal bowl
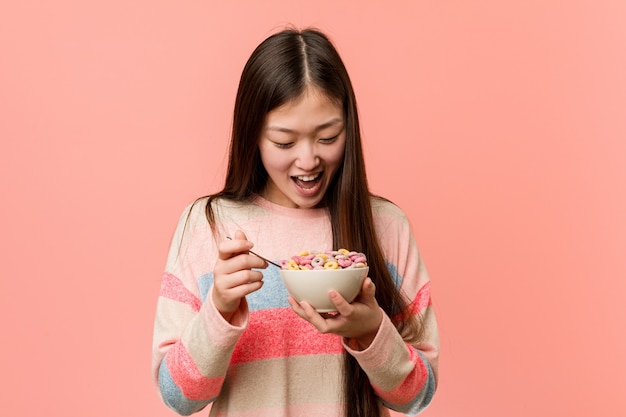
<point>312,286</point>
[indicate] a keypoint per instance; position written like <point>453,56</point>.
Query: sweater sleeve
<point>192,343</point>
<point>403,375</point>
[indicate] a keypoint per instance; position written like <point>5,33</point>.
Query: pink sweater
<point>268,362</point>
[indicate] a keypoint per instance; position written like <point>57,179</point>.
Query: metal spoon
<point>259,256</point>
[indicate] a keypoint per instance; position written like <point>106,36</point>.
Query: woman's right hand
<point>233,274</point>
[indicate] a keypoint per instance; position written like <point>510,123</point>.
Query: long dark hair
<point>279,70</point>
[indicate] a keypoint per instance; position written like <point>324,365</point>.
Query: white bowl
<point>312,286</point>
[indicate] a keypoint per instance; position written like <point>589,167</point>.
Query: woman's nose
<point>307,158</point>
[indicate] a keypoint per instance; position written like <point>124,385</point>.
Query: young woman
<point>226,331</point>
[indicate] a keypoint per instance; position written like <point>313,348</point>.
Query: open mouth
<point>308,183</point>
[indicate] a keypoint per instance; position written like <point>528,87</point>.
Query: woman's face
<point>301,146</point>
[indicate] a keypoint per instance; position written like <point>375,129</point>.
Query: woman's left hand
<point>358,320</point>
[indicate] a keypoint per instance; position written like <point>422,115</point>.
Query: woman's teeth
<point>308,182</point>
<point>307,177</point>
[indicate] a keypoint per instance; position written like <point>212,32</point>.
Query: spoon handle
<point>259,256</point>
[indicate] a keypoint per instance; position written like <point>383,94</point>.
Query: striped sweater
<point>267,361</point>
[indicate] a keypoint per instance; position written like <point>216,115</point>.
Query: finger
<point>298,308</point>
<point>240,291</point>
<point>249,288</point>
<point>303,309</point>
<point>236,263</point>
<point>368,291</point>
<point>246,261</point>
<point>227,282</point>
<point>238,244</point>
<point>240,235</point>
<point>343,307</point>
<point>239,283</point>
<point>312,316</point>
<point>231,247</point>
<point>295,306</point>
<point>229,299</point>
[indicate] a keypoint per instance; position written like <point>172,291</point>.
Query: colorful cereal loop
<point>331,265</point>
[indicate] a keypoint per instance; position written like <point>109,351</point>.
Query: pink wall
<point>498,126</point>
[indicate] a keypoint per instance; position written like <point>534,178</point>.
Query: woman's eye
<point>329,140</point>
<point>283,145</point>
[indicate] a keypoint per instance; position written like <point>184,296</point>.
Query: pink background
<point>500,128</point>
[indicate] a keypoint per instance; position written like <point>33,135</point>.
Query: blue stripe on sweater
<point>422,399</point>
<point>173,397</point>
<point>273,294</point>
<point>395,276</point>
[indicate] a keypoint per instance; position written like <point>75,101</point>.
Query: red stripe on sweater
<point>174,289</point>
<point>277,333</point>
<point>413,383</point>
<point>188,378</point>
<point>419,303</point>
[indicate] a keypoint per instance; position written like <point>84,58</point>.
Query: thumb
<point>240,235</point>
<point>369,289</point>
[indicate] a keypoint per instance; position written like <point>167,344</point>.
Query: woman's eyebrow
<point>330,123</point>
